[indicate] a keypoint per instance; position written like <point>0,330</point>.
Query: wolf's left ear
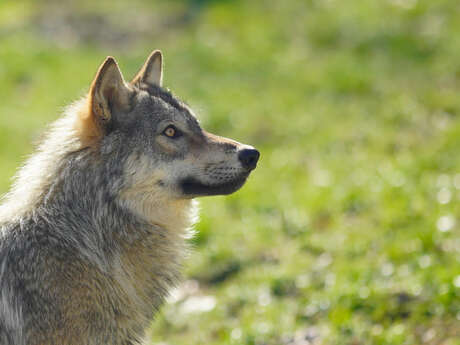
<point>152,71</point>
<point>108,93</point>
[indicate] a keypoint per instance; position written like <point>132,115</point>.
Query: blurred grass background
<point>348,232</point>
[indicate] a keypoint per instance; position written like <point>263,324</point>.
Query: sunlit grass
<point>348,231</point>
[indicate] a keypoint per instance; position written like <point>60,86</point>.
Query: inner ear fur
<point>108,92</point>
<point>151,72</point>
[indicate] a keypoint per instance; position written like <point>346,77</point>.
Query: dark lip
<point>190,186</point>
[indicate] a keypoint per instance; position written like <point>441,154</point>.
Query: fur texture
<point>93,231</point>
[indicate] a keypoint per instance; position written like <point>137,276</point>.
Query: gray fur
<point>90,250</point>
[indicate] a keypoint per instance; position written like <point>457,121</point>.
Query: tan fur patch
<point>87,129</point>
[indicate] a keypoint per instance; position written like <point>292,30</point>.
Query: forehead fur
<point>169,105</point>
<point>165,95</point>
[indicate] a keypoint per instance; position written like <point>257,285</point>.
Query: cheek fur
<point>168,145</point>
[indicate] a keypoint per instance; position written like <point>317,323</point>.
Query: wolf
<point>94,230</point>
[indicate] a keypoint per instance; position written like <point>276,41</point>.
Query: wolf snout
<point>248,158</point>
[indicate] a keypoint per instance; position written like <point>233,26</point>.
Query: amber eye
<point>171,132</point>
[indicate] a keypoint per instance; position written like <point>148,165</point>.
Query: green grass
<point>355,108</point>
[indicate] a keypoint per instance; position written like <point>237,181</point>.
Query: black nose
<point>249,158</point>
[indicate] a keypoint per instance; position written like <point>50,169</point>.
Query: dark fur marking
<point>168,97</point>
<point>192,187</point>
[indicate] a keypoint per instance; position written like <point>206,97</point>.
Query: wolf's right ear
<point>151,72</point>
<point>108,93</point>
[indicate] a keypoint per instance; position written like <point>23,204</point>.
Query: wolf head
<point>168,152</point>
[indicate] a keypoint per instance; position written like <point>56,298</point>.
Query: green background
<point>348,231</point>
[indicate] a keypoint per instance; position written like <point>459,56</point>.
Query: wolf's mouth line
<point>193,187</point>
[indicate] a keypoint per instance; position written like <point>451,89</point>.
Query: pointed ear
<point>108,93</point>
<point>152,71</point>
